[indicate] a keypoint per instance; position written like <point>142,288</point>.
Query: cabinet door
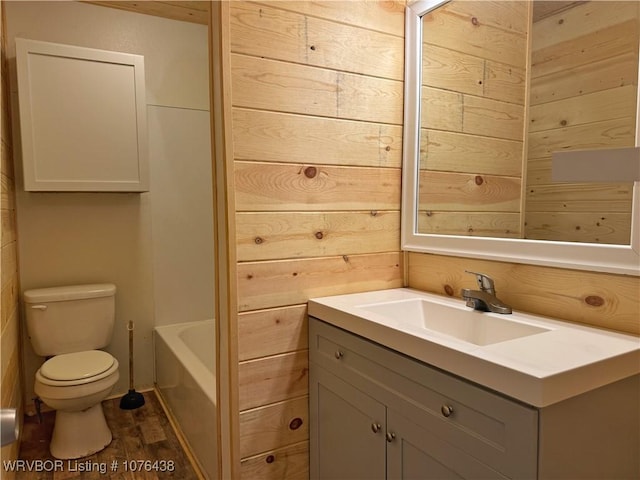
<point>82,118</point>
<point>414,452</point>
<point>346,430</point>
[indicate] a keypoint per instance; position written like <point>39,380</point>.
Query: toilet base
<point>79,434</point>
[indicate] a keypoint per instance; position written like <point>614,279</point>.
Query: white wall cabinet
<point>82,118</point>
<point>378,414</point>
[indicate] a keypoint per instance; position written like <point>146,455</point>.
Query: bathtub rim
<point>205,378</point>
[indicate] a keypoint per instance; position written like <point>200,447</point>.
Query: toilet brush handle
<point>130,329</point>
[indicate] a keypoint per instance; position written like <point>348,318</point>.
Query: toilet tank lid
<point>69,292</point>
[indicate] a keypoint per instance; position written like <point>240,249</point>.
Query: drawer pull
<point>375,427</point>
<point>339,354</point>
<point>390,436</point>
<point>446,410</point>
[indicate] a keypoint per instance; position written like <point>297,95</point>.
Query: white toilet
<point>69,324</point>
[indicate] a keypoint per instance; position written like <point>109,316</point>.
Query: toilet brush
<point>131,399</point>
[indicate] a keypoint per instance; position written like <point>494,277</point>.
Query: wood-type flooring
<point>144,447</point>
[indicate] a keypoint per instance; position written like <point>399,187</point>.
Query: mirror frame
<point>619,259</point>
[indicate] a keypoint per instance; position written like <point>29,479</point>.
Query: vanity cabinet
<point>376,413</point>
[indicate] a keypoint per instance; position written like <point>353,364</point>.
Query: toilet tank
<point>71,318</point>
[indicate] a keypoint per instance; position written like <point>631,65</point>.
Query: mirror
<point>492,89</point>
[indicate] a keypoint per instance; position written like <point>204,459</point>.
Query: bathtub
<point>185,377</point>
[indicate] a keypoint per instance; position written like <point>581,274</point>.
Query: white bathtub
<point>185,376</point>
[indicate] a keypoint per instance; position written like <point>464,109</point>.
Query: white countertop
<point>540,369</point>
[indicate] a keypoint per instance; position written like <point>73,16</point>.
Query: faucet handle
<point>485,282</point>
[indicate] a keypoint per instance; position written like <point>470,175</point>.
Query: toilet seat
<point>77,368</point>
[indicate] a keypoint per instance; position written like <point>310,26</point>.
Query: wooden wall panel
<point>385,16</point>
<point>256,26</point>
<point>596,299</point>
<point>269,332</point>
<point>272,379</point>
<point>290,282</point>
<point>286,87</point>
<point>489,30</point>
<point>317,97</point>
<point>285,187</point>
<point>456,192</point>
<point>583,109</point>
<point>264,428</point>
<point>584,79</point>
<point>606,43</point>
<point>472,117</point>
<point>584,83</point>
<point>274,137</point>
<point>290,462</point>
<point>182,10</point>
<point>479,224</point>
<point>10,350</point>
<point>581,227</point>
<point>270,236</point>
<point>612,133</point>
<point>457,152</point>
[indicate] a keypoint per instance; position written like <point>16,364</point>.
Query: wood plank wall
<point>473,108</point>
<point>590,104</point>
<point>597,299</point>
<point>317,102</point>
<point>183,10</point>
<point>10,386</point>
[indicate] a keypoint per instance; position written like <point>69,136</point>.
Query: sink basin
<point>462,323</point>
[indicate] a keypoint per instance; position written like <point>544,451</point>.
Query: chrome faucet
<point>485,298</point>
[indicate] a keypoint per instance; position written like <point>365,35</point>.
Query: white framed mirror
<point>518,241</point>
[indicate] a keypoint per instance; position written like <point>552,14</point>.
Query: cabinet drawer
<point>497,431</point>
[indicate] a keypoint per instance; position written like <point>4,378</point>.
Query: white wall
<point>181,216</point>
<point>69,238</point>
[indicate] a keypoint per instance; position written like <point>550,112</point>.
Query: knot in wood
<point>270,459</point>
<point>319,235</point>
<point>475,21</point>
<point>479,180</point>
<point>310,172</point>
<point>295,424</point>
<point>448,289</point>
<point>258,240</point>
<point>594,300</point>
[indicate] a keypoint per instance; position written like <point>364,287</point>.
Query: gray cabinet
<point>378,414</point>
<point>375,413</point>
<point>350,437</point>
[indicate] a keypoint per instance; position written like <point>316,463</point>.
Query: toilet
<point>69,325</point>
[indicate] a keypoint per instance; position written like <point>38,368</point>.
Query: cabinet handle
<point>375,427</point>
<point>339,354</point>
<point>446,410</point>
<point>390,436</point>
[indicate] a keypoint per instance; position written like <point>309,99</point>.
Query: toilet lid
<point>76,366</point>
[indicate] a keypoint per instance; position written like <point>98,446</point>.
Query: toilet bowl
<point>70,325</point>
<point>75,384</point>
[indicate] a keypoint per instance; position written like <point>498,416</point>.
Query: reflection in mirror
<point>496,102</point>
<point>478,211</point>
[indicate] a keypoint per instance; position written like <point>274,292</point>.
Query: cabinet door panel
<point>343,443</point>
<point>417,454</point>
